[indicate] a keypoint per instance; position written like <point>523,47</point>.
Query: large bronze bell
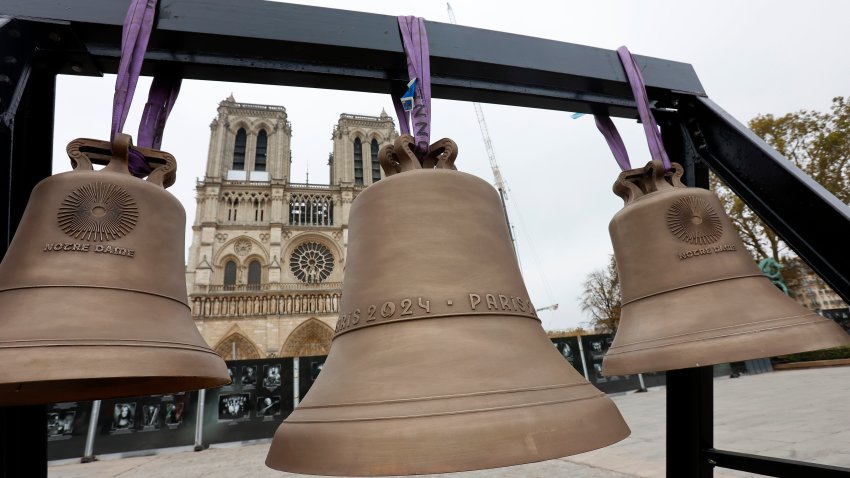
<point>92,289</point>
<point>439,362</point>
<point>692,295</point>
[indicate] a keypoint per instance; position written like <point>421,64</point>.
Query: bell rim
<point>511,441</point>
<point>152,370</point>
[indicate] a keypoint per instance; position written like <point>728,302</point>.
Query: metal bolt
<point>711,462</point>
<point>54,37</point>
<point>76,67</point>
<point>5,79</point>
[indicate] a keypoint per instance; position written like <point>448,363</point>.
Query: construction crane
<point>501,185</point>
<point>548,307</point>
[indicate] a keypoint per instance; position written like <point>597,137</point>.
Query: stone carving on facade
<point>242,247</point>
<point>313,337</point>
<point>221,237</point>
<point>278,303</point>
<point>264,237</point>
<point>245,349</point>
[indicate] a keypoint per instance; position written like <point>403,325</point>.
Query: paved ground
<point>800,414</point>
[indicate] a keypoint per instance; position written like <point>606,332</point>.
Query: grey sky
<point>752,57</point>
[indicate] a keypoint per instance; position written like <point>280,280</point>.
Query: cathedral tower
<point>267,256</point>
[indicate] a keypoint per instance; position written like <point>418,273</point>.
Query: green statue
<point>771,269</point>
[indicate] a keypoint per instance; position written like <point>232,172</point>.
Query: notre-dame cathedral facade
<point>265,265</point>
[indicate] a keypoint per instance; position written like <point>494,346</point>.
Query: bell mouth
<point>416,414</point>
<point>737,319</point>
<point>73,390</point>
<point>55,348</point>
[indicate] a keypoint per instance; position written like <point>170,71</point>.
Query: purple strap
<point>138,25</point>
<point>615,142</point>
<point>137,31</point>
<point>650,127</point>
<point>415,41</point>
<point>161,99</point>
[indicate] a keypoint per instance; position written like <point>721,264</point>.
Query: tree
<point>817,143</point>
<point>601,298</point>
<point>573,332</point>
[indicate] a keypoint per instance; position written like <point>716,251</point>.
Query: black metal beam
<point>806,216</point>
<point>256,41</point>
<point>690,422</point>
<point>26,141</point>
<point>690,392</point>
<point>770,466</point>
<point>23,442</point>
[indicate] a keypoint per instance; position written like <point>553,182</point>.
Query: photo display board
<point>145,423</point>
<point>67,426</point>
<point>595,347</point>
<point>308,371</point>
<point>568,348</point>
<point>254,405</point>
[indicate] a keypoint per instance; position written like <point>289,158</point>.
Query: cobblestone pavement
<point>800,414</point>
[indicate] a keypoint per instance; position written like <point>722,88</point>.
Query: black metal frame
<point>274,43</point>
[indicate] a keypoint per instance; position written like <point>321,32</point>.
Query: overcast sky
<point>752,57</point>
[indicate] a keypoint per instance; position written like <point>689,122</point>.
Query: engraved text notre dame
<point>95,248</point>
<point>706,250</point>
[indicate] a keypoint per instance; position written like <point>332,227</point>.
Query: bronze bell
<point>692,295</point>
<point>92,289</point>
<point>439,362</point>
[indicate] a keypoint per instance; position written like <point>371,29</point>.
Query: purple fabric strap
<point>138,25</point>
<point>615,142</point>
<point>161,99</point>
<point>415,41</point>
<point>650,127</point>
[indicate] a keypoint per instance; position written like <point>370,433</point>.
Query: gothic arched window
<point>376,166</point>
<point>254,274</point>
<point>239,150</point>
<point>262,145</point>
<point>358,161</point>
<point>230,273</point>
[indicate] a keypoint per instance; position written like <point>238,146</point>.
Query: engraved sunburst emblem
<point>98,212</point>
<point>693,220</point>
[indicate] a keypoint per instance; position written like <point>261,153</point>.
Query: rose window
<point>311,262</point>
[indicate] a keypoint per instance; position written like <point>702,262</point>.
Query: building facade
<point>265,266</point>
<point>814,294</point>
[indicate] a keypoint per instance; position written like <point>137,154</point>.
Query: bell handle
<point>386,157</point>
<point>78,152</point>
<point>163,167</point>
<point>444,153</point>
<point>659,178</point>
<point>85,152</point>
<point>626,186</point>
<point>675,174</point>
<point>403,152</point>
<point>120,160</point>
<point>653,177</point>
